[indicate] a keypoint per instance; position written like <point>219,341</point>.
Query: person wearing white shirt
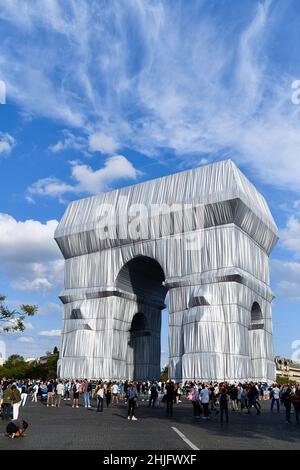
<point>60,389</point>
<point>204,398</point>
<point>115,391</point>
<point>275,398</point>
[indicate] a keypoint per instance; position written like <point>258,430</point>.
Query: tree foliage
<point>14,320</point>
<point>16,368</point>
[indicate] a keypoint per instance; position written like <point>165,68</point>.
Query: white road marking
<point>185,439</point>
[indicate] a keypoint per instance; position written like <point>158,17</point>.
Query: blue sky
<point>102,94</point>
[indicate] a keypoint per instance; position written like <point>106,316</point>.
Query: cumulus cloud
<point>26,339</point>
<point>50,333</point>
<point>87,180</point>
<point>100,142</point>
<point>29,255</point>
<point>287,277</point>
<point>7,142</point>
<point>290,236</point>
<point>70,142</point>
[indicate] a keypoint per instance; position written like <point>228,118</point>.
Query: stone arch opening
<point>256,313</point>
<point>256,321</point>
<point>143,277</point>
<point>142,281</point>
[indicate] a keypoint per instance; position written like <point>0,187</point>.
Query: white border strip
<point>185,439</point>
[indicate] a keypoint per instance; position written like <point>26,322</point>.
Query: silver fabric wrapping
<point>214,254</point>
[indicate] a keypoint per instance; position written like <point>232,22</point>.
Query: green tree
<point>164,376</point>
<point>14,320</point>
<point>13,360</point>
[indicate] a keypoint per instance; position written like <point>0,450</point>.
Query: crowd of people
<point>207,399</point>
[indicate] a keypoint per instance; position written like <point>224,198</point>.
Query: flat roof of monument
<point>216,182</point>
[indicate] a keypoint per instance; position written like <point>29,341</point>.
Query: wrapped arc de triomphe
<point>202,238</point>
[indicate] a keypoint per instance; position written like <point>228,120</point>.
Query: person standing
<point>35,392</point>
<point>224,398</point>
<point>50,393</point>
<point>76,391</point>
<point>115,391</point>
<point>16,401</point>
<point>296,403</point>
<point>108,394</point>
<point>132,395</point>
<point>253,396</point>
<point>86,393</point>
<point>99,393</point>
<point>204,398</point>
<point>7,404</point>
<point>170,394</point>
<point>23,394</point>
<point>153,394</point>
<point>275,398</point>
<point>60,389</point>
<point>287,401</point>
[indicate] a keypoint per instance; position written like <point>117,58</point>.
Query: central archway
<point>142,280</point>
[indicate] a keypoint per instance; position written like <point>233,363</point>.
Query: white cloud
<point>34,285</point>
<point>50,333</point>
<point>287,277</point>
<point>29,255</point>
<point>87,181</point>
<point>50,308</point>
<point>26,339</point>
<point>70,142</point>
<point>290,236</point>
<point>7,142</point>
<point>100,142</point>
<point>135,71</point>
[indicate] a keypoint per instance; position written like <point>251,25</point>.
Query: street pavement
<point>75,429</point>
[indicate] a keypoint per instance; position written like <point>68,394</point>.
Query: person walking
<point>16,401</point>
<point>132,395</point>
<point>108,394</point>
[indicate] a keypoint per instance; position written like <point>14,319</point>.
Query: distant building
<point>31,359</point>
<point>44,359</point>
<point>287,368</point>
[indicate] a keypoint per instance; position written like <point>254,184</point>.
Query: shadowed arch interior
<point>256,313</point>
<point>144,277</point>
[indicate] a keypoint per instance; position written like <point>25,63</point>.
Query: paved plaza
<point>71,429</point>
